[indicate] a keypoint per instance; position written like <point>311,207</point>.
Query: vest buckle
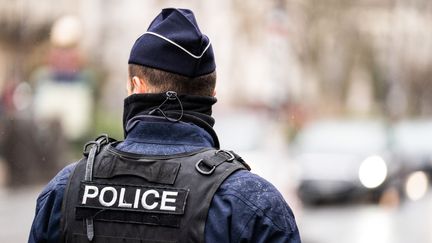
<point>208,172</point>
<point>220,157</point>
<point>231,156</point>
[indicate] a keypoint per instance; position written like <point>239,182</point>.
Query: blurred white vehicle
<point>412,142</point>
<point>342,160</point>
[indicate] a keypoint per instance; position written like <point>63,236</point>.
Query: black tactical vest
<point>115,196</point>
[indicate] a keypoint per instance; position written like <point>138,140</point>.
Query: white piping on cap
<point>179,46</point>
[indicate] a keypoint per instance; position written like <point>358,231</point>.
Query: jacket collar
<point>157,130</point>
<point>193,110</point>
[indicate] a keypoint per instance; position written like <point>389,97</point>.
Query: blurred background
<point>329,100</point>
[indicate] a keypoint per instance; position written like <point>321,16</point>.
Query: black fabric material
<point>196,110</point>
<point>181,27</point>
<point>161,173</point>
<point>114,224</point>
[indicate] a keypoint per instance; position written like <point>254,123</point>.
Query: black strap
<point>207,165</point>
<point>95,147</point>
<point>240,159</point>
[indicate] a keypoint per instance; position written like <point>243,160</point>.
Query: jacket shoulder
<point>58,182</point>
<point>261,197</point>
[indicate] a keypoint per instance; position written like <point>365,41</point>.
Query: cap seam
<point>179,46</point>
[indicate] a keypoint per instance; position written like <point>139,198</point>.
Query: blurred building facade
<point>333,57</point>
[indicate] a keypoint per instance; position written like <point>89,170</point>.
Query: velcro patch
<point>150,199</point>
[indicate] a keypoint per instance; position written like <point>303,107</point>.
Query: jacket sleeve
<point>247,208</point>
<point>261,229</point>
<point>46,223</point>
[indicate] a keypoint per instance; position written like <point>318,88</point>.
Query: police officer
<point>168,181</point>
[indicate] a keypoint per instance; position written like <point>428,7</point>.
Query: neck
<point>196,110</point>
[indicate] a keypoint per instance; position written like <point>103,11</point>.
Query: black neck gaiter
<point>196,110</point>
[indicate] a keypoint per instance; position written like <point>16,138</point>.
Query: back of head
<point>174,55</point>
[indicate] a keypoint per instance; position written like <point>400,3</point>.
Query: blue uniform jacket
<point>246,208</point>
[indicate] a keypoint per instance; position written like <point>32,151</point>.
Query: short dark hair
<point>163,81</point>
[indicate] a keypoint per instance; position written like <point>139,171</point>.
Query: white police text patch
<point>150,199</point>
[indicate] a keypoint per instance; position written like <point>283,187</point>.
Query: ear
<point>214,93</point>
<point>138,86</point>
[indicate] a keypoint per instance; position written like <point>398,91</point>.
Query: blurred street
<point>368,223</point>
<point>17,209</point>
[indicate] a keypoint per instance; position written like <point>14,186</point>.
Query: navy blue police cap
<point>174,43</point>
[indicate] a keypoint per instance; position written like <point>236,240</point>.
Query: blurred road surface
<point>368,223</point>
<point>338,224</point>
<point>17,209</point>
